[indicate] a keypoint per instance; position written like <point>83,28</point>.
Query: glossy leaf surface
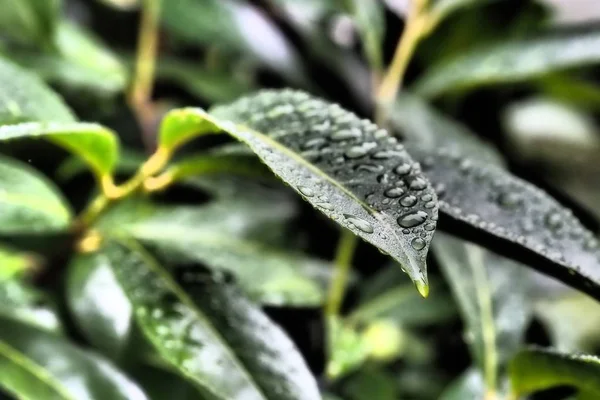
<point>29,201</point>
<point>512,62</point>
<point>209,333</point>
<point>24,97</point>
<point>96,145</point>
<point>537,369</point>
<point>347,168</point>
<point>38,365</point>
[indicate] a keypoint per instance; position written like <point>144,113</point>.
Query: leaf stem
<point>343,259</point>
<point>147,49</point>
<point>419,23</point>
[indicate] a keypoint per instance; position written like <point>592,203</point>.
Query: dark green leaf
<point>234,27</point>
<point>161,384</point>
<point>13,262</point>
<point>372,383</point>
<point>25,98</point>
<point>492,294</point>
<point>213,235</point>
<point>369,17</point>
<point>96,145</point>
<point>21,302</point>
<point>29,22</point>
<point>38,365</point>
<point>101,309</point>
<point>579,92</point>
<point>29,201</point>
<point>512,62</point>
<point>537,369</point>
<point>347,168</point>
<point>209,333</point>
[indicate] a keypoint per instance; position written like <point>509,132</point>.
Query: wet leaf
<point>38,365</point>
<point>21,302</point>
<point>512,61</point>
<point>101,309</point>
<point>24,97</point>
<point>492,295</point>
<point>209,333</point>
<point>537,369</point>
<point>214,235</point>
<point>234,27</point>
<point>347,168</point>
<point>29,22</point>
<point>96,145</point>
<point>29,201</point>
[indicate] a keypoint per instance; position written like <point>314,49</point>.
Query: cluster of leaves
<point>122,290</point>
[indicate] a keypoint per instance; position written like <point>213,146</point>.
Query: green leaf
<point>161,384</point>
<point>80,62</point>
<point>29,201</point>
<point>106,323</point>
<point>581,93</point>
<point>22,303</point>
<point>209,333</point>
<point>372,383</point>
<point>214,235</point>
<point>96,145</point>
<point>235,28</point>
<point>537,369</point>
<point>492,295</point>
<point>347,168</point>
<point>13,263</point>
<point>25,98</point>
<point>512,61</point>
<point>468,386</point>
<point>345,346</point>
<point>29,22</point>
<point>129,161</point>
<point>37,365</point>
<point>369,17</point>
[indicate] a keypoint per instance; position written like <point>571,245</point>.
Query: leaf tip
<point>422,287</point>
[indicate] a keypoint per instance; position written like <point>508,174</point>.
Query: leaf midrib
<point>34,369</point>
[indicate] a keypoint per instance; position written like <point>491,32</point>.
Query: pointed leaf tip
<point>422,286</point>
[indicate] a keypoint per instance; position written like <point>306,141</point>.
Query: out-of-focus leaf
<point>369,17</point>
<point>580,93</point>
<point>21,302</point>
<point>214,235</point>
<point>371,383</point>
<point>29,202</point>
<point>96,145</point>
<point>13,262</point>
<point>161,384</point>
<point>492,295</point>
<point>25,98</point>
<point>80,62</point>
<point>122,4</point>
<point>212,86</point>
<point>234,27</point>
<point>469,386</point>
<point>101,309</point>
<point>29,22</point>
<point>347,168</point>
<point>129,161</point>
<point>443,8</point>
<point>345,347</point>
<point>38,365</point>
<point>421,125</point>
<point>209,333</point>
<point>537,369</point>
<point>511,62</point>
<point>572,319</point>
<point>405,307</point>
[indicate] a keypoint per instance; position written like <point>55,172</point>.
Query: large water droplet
<point>360,150</point>
<point>408,201</point>
<point>418,243</point>
<point>359,223</point>
<point>412,219</point>
<point>308,192</point>
<point>394,192</point>
<point>418,184</point>
<point>403,169</point>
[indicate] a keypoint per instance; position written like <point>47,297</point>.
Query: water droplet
<point>429,226</point>
<point>308,192</point>
<point>412,219</point>
<point>325,206</point>
<point>406,231</point>
<point>360,150</point>
<point>418,243</point>
<point>465,166</point>
<point>430,204</point>
<point>346,134</point>
<point>402,169</point>
<point>315,142</point>
<point>385,154</point>
<point>553,220</point>
<point>408,201</point>
<point>418,184</point>
<point>394,192</point>
<point>427,197</point>
<point>359,223</point>
<point>369,168</point>
<point>509,200</point>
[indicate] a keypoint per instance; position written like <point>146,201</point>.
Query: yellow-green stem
<point>145,65</point>
<point>343,259</point>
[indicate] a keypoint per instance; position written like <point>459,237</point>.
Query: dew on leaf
<point>359,223</point>
<point>408,201</point>
<point>412,219</point>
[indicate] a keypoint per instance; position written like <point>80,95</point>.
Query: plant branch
<point>343,259</point>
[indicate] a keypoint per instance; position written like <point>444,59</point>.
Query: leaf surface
<point>512,61</point>
<point>30,22</point>
<point>38,365</point>
<point>21,302</point>
<point>347,168</point>
<point>369,17</point>
<point>209,333</point>
<point>29,201</point>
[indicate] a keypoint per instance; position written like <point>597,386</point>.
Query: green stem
<point>343,259</point>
